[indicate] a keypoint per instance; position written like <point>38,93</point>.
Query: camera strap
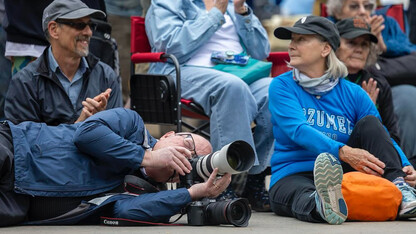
<point>130,222</point>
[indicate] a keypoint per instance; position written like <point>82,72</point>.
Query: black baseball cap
<point>311,25</point>
<point>354,27</point>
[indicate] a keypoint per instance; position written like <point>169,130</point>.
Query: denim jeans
<point>232,106</point>
<point>5,74</point>
<point>405,109</point>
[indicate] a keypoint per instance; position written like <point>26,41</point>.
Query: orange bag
<point>370,198</point>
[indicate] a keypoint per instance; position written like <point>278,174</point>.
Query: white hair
<point>336,68</point>
<point>335,6</point>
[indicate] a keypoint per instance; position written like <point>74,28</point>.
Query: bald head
<point>202,145</point>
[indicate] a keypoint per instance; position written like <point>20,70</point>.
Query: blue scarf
<point>315,86</point>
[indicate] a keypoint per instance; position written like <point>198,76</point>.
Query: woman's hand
<point>377,25</point>
<point>361,160</point>
<point>371,88</point>
<point>411,175</point>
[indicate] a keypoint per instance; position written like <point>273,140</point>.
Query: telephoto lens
<point>233,158</point>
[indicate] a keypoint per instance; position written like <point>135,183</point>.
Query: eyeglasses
<point>188,141</point>
<point>78,25</point>
<point>356,6</point>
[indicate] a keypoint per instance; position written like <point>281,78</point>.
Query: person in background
<point>395,63</point>
<point>355,52</point>
<point>65,84</point>
<point>325,126</point>
<point>25,37</point>
<point>192,31</point>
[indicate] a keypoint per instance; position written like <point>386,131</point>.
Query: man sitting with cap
<point>65,84</point>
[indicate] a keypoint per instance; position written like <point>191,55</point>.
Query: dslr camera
<point>234,158</point>
<point>211,212</point>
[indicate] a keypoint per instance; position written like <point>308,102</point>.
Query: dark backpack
<point>104,46</point>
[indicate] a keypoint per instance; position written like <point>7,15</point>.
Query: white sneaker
<point>328,178</point>
<point>408,205</point>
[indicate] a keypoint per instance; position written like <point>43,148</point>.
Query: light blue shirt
<point>72,88</point>
<point>181,27</point>
<point>124,8</point>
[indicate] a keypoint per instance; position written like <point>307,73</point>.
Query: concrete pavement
<point>259,223</point>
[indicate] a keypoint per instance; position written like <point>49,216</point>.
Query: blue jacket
<point>180,27</point>
<point>305,126</point>
<point>396,40</point>
<point>109,145</point>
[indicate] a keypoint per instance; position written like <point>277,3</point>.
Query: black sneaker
<point>228,194</point>
<point>256,193</point>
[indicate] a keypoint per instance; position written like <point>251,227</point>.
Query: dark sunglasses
<point>78,25</point>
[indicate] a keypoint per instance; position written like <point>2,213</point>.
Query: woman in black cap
<point>357,52</point>
<point>320,119</point>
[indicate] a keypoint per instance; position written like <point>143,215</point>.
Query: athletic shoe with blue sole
<point>328,179</point>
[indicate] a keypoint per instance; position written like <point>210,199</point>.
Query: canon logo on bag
<point>111,222</point>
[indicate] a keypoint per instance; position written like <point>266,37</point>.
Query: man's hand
<point>239,6</point>
<point>94,105</point>
<point>377,25</point>
<point>411,175</point>
<point>371,89</point>
<point>211,188</point>
<point>361,160</point>
<point>169,158</point>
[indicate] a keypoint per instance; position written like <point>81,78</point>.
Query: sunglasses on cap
<point>78,25</point>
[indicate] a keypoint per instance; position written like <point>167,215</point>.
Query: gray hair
<point>336,68</point>
<point>335,6</point>
<point>372,55</point>
<point>47,36</point>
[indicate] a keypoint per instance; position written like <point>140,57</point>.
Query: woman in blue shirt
<point>315,111</point>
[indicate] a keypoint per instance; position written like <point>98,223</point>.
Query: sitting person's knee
<point>370,123</point>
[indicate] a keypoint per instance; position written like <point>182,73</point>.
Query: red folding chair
<point>156,97</point>
<point>279,61</point>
